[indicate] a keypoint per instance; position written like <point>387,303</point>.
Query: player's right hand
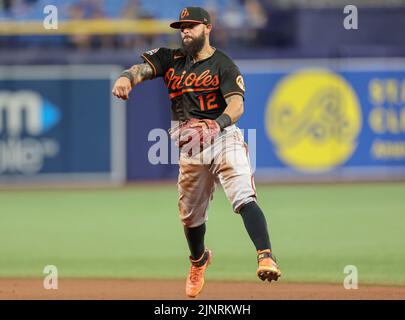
<point>122,88</point>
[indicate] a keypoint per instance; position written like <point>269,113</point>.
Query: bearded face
<point>193,39</point>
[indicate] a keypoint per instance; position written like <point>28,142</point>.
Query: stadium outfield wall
<point>305,120</point>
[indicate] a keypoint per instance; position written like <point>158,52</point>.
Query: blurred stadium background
<point>328,106</point>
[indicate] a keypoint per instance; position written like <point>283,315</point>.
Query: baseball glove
<point>195,132</point>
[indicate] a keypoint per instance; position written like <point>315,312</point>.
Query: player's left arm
<point>235,107</point>
<point>232,112</point>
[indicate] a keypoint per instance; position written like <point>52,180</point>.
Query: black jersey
<point>197,90</point>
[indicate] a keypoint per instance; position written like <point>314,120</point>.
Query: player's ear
<point>208,28</point>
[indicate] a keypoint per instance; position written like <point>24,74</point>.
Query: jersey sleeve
<point>231,81</point>
<point>160,59</point>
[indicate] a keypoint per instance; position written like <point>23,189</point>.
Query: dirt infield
<point>174,290</point>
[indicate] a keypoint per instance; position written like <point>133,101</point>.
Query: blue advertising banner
<point>326,119</point>
<point>60,123</point>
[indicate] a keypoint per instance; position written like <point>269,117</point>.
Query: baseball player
<point>207,93</point>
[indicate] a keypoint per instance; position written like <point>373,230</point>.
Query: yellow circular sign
<point>313,118</point>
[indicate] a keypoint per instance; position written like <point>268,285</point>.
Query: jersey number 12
<point>207,101</point>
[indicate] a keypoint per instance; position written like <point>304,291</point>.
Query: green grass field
<point>135,233</point>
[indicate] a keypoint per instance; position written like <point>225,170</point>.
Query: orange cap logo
<point>184,13</point>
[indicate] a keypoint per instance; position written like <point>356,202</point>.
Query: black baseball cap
<point>192,15</point>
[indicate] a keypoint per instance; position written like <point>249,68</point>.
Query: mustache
<point>194,45</point>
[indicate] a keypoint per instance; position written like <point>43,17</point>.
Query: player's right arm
<point>130,78</point>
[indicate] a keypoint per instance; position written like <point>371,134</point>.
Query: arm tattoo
<point>141,72</point>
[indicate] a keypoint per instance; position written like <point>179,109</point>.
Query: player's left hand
<point>200,132</point>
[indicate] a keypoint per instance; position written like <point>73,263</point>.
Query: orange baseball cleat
<point>268,268</point>
<point>195,278</point>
